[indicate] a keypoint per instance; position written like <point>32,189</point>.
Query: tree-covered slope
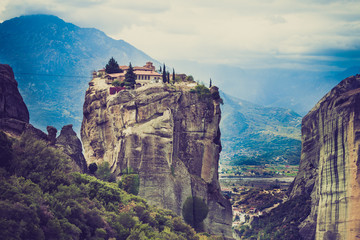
<point>41,199</point>
<point>253,134</point>
<point>53,60</point>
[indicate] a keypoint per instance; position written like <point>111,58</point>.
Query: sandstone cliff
<point>168,136</point>
<point>329,168</point>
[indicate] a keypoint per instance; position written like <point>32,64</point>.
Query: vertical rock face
<point>329,169</point>
<point>14,115</point>
<point>71,146</point>
<point>11,102</point>
<point>14,120</point>
<point>165,134</point>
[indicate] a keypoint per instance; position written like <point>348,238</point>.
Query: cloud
<point>238,32</point>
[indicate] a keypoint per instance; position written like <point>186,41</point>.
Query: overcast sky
<point>256,33</point>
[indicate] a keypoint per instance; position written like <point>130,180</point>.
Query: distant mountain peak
<point>53,60</point>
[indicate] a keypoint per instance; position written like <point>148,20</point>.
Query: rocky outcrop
<point>165,134</point>
<point>14,115</point>
<point>14,121</point>
<point>70,144</point>
<point>51,134</point>
<point>11,102</point>
<point>329,169</point>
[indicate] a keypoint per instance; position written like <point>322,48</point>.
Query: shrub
<point>116,83</point>
<point>40,163</point>
<point>189,78</point>
<point>194,212</point>
<point>5,151</point>
<point>130,183</point>
<point>104,173</point>
<point>202,91</point>
<point>93,168</point>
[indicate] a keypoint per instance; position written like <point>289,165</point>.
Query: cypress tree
<point>130,77</point>
<point>210,83</point>
<point>173,76</point>
<point>168,77</point>
<point>112,66</point>
<point>164,74</point>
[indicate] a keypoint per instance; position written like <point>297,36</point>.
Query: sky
<point>250,34</point>
<point>271,52</point>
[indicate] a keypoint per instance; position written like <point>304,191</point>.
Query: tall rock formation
<point>329,169</point>
<point>70,144</point>
<point>11,102</point>
<point>14,121</point>
<point>165,134</point>
<point>14,115</point>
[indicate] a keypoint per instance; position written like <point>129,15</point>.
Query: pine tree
<point>112,66</point>
<point>130,77</point>
<point>210,83</point>
<point>164,74</point>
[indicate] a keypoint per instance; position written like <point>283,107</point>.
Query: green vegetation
<point>130,77</point>
<point>164,75</point>
<point>5,151</point>
<point>41,199</point>
<point>93,168</point>
<point>255,170</point>
<point>189,78</point>
<point>281,222</point>
<point>112,66</point>
<point>130,183</point>
<point>194,212</point>
<point>202,91</point>
<point>116,83</point>
<point>104,173</point>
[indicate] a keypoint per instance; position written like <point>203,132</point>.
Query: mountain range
<point>53,60</point>
<point>254,135</point>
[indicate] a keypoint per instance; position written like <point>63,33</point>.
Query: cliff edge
<point>329,168</point>
<point>14,121</point>
<point>167,135</point>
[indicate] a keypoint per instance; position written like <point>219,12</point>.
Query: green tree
<point>210,83</point>
<point>130,77</point>
<point>130,183</point>
<point>164,75</point>
<point>189,78</point>
<point>173,75</point>
<point>104,173</point>
<point>5,151</point>
<point>112,66</point>
<point>194,212</point>
<point>93,168</point>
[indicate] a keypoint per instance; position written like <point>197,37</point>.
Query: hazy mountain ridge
<point>53,60</point>
<point>258,134</point>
